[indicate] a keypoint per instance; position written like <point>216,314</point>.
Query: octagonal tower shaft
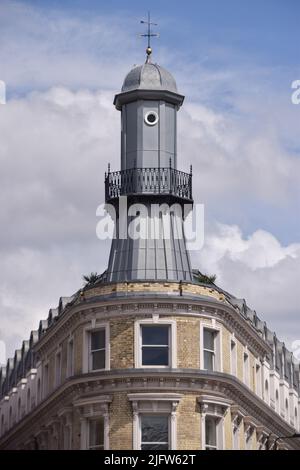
<point>149,102</point>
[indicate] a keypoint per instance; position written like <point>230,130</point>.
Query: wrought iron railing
<point>148,181</point>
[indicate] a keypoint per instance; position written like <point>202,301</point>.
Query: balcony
<point>148,181</point>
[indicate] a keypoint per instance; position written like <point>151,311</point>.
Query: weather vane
<point>149,34</point>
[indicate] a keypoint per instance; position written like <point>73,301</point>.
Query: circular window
<point>151,118</point>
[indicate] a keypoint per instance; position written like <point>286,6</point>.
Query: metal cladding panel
<point>169,130</point>
<point>143,145</point>
<point>151,258</point>
<point>148,158</point>
<point>150,134</point>
<point>131,122</point>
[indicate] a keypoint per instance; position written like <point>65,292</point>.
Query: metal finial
<point>149,35</point>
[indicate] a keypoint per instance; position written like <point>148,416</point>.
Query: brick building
<point>150,355</point>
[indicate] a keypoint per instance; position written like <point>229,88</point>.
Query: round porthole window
<point>151,118</point>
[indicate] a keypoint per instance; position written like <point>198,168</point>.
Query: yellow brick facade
<point>226,350</point>
<point>188,423</point>
<point>188,344</point>
<point>163,287</point>
<point>228,431</point>
<point>121,427</point>
<point>121,324</point>
<point>122,343</point>
<point>78,349</point>
<point>240,367</point>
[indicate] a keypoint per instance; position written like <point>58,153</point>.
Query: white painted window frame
<point>219,430</point>
<point>218,363</point>
<point>168,414</point>
<point>213,407</point>
<point>267,393</point>
<point>70,361</point>
<point>58,373</point>
<point>89,420</point>
<point>258,378</point>
<point>45,385</point>
<point>233,358</point>
<point>172,342</point>
<point>296,419</point>
<point>235,435</point>
<point>154,403</point>
<point>249,439</point>
<point>28,405</point>
<point>67,437</point>
<point>93,327</point>
<point>246,367</point>
<point>91,408</point>
<point>277,400</point>
<point>216,422</point>
<point>39,391</point>
<point>85,429</point>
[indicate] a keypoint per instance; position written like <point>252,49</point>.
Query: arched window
<point>10,417</point>
<point>296,418</point>
<point>2,425</point>
<point>39,391</point>
<point>19,409</point>
<point>286,408</point>
<point>277,400</point>
<point>28,400</point>
<point>267,391</point>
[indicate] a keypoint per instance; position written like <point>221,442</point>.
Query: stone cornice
<point>139,381</point>
<point>92,400</point>
<point>139,94</point>
<point>214,399</point>
<point>162,396</point>
<point>163,305</point>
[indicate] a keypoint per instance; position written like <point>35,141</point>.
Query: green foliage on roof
<point>90,278</point>
<point>204,278</point>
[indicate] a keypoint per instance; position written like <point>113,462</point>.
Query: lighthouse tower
<point>155,190</point>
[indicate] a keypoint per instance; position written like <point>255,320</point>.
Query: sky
<point>63,62</point>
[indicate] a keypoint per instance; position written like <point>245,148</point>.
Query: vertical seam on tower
<point>160,78</point>
<point>140,76</point>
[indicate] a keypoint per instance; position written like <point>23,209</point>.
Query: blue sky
<point>266,32</point>
<point>64,61</point>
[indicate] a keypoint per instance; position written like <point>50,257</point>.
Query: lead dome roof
<point>149,76</point>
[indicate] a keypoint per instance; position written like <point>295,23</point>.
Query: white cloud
<point>260,250</point>
<point>42,48</point>
<point>51,181</point>
<point>233,161</point>
<point>32,281</point>
<point>259,269</point>
<point>55,148</point>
